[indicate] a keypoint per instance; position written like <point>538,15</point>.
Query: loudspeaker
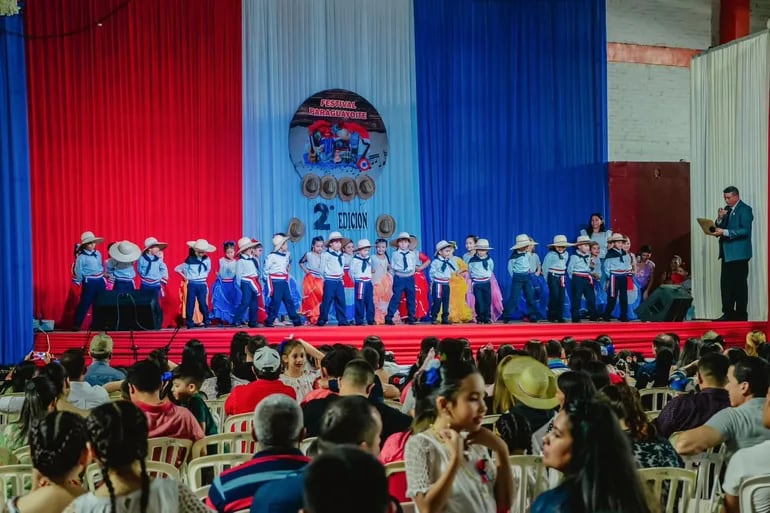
<point>668,303</point>
<point>125,311</point>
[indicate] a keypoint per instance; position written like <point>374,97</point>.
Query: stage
<point>403,340</point>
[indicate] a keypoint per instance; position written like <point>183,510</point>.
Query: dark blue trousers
<point>482,291</point>
<point>89,290</point>
<point>402,285</point>
<point>281,294</point>
<point>439,295</point>
<point>364,302</point>
<point>334,293</point>
<point>123,286</point>
<point>582,287</point>
<point>197,292</point>
<point>556,293</point>
<point>618,291</point>
<point>520,282</point>
<point>250,303</point>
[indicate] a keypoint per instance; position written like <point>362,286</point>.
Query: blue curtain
<point>15,221</point>
<point>511,103</point>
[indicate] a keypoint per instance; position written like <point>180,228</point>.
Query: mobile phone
<point>38,355</point>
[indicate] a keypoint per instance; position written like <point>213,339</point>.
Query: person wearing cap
<point>88,273</point>
<point>617,265</point>
<point>267,368</point>
<point>554,268</point>
<point>99,372</point>
<point>441,270</point>
<point>277,277</point>
<point>196,269</point>
<point>581,279</point>
<point>153,272</point>
<point>247,278</point>
<point>403,265</point>
<point>518,268</point>
<point>120,266</point>
<point>332,269</point>
<point>361,271</point>
<point>225,294</point>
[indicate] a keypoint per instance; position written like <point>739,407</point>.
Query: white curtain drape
<point>729,146</point>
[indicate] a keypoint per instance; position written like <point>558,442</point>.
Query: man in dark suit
<point>734,232</point>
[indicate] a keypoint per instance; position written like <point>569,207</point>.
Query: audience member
<point>40,396</point>
<point>526,387</point>
<point>58,376</point>
<point>556,357</point>
<point>657,371</point>
<point>754,340</point>
<point>298,371</point>
<point>587,445</point>
<point>118,435</point>
<point>740,425</point>
<point>164,418</point>
<point>100,372</point>
<point>18,377</point>
<point>579,357</point>
<point>267,368</point>
<point>277,429</point>
<point>486,361</point>
<point>568,344</point>
<point>238,352</point>
<point>689,411</point>
<point>688,359</point>
<point>185,388</point>
<point>735,354</point>
<point>536,350</point>
<point>598,373</point>
<point>332,366</point>
<point>570,386</point>
<point>223,381</point>
<point>505,350</point>
<point>389,391</point>
<point>82,394</point>
<point>370,356</point>
<point>426,345</point>
<point>194,356</point>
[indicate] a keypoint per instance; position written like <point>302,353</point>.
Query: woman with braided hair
<point>59,454</point>
<point>40,396</point>
<point>117,432</point>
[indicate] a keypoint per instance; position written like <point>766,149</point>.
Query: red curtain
<point>135,129</point>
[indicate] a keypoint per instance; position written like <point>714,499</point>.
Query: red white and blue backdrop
<point>173,118</point>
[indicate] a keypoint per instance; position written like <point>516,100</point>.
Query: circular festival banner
<point>338,145</point>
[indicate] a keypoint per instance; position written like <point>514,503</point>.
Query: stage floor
<point>403,340</point>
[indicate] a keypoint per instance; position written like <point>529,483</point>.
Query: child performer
<point>581,279</point>
<point>518,268</point>
<point>348,284</point>
<point>332,271</point>
<point>617,266</point>
<point>277,275</point>
<point>196,270</point>
<point>421,287</point>
<point>361,272</point>
<point>248,273</point>
<point>120,266</point>
<point>598,275</point>
<point>481,267</point>
<point>382,279</point>
<point>225,294</point>
<point>441,270</point>
<point>403,264</point>
<point>313,284</point>
<point>459,311</point>
<point>89,275</point>
<point>153,274</point>
<point>554,268</point>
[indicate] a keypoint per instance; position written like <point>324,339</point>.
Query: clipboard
<point>707,225</point>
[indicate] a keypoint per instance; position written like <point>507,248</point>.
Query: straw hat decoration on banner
<point>366,186</point>
<point>328,187</point>
<point>347,188</point>
<point>311,185</point>
<point>385,226</point>
<point>296,229</point>
<point>125,252</point>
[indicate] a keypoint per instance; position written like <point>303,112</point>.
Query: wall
<point>759,12</point>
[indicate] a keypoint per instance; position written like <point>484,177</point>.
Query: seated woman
<point>650,450</point>
<point>59,455</point>
<point>587,445</point>
<point>117,433</point>
<point>39,399</point>
<point>570,386</point>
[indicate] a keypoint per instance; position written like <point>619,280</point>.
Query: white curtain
<point>729,139</point>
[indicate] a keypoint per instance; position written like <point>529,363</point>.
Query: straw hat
<point>334,236</point>
<point>482,244</point>
<point>616,237</point>
<point>401,236</point>
<point>296,229</point>
<point>385,226</point>
<point>245,243</point>
<point>530,382</point>
<point>560,240</point>
<point>311,185</point>
<point>522,241</point>
<point>88,238</point>
<point>583,239</point>
<point>346,188</point>
<point>443,244</point>
<point>201,245</point>
<point>366,186</point>
<point>151,242</point>
<point>101,344</point>
<point>279,239</point>
<point>328,187</point>
<point>125,252</point>
<point>363,244</point>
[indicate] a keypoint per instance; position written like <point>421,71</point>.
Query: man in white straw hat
<point>518,268</point>
<point>89,275</point>
<point>581,280</point>
<point>617,265</point>
<point>120,266</point>
<point>196,269</point>
<point>554,269</point>
<point>153,272</point>
<point>277,272</point>
<point>361,271</point>
<point>441,270</point>
<point>332,271</point>
<point>404,263</point>
<point>248,274</point>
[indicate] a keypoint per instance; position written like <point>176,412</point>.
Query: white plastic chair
<point>23,455</point>
<point>174,451</point>
<point>408,507</point>
<point>217,463</point>
<point>708,467</point>
<point>217,409</point>
<point>659,397</point>
<point>155,469</point>
<point>393,404</point>
<point>749,488</point>
<point>529,478</point>
<point>305,444</point>
<point>15,480</point>
<point>238,423</point>
<point>489,421</point>
<point>224,443</point>
<point>680,489</point>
